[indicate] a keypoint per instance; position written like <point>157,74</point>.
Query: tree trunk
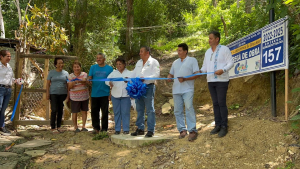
<point>80,26</point>
<point>238,3</point>
<point>248,6</point>
<point>67,21</point>
<point>129,28</point>
<point>215,3</point>
<point>19,11</point>
<point>2,24</point>
<point>225,26</point>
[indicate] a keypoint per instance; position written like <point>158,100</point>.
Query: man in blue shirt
<point>100,93</point>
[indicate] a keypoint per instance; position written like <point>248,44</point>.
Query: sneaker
<point>193,136</point>
<point>4,131</point>
<point>223,131</point>
<point>84,129</point>
<point>77,130</point>
<point>215,130</point>
<point>126,132</point>
<point>149,134</point>
<point>138,132</point>
<point>183,133</point>
<point>117,132</point>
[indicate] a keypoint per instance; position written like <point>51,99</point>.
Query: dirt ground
<point>251,143</point>
<point>255,139</point>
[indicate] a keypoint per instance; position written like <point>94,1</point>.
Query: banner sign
<point>264,50</point>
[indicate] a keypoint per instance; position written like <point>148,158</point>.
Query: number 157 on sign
<point>272,56</point>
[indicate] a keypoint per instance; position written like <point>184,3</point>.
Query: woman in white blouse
<point>120,99</point>
<point>6,81</point>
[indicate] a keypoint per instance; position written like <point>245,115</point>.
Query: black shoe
<point>138,132</point>
<point>117,132</point>
<point>126,132</point>
<point>223,131</point>
<point>215,130</point>
<point>149,134</point>
<point>4,131</point>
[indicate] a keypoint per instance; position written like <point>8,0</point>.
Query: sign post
<point>273,73</point>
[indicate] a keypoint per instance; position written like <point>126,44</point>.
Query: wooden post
<point>18,74</point>
<point>46,70</point>
<point>17,69</point>
<point>286,94</point>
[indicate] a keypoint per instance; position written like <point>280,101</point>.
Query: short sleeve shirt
<point>80,91</point>
<point>184,68</point>
<point>58,82</point>
<point>99,88</point>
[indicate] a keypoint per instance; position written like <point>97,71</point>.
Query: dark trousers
<point>97,104</point>
<point>218,92</point>
<point>57,105</point>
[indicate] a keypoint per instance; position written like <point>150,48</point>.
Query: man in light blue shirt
<point>100,93</point>
<point>183,91</point>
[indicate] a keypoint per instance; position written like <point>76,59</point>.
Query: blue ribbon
<point>130,79</point>
<point>16,104</point>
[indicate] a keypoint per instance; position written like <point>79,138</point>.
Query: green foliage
<point>101,136</point>
<point>235,106</point>
<point>42,31</point>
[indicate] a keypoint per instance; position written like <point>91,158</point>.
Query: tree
<point>130,17</point>
<point>2,29</point>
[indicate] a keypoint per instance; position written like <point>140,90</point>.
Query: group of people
<point>61,86</point>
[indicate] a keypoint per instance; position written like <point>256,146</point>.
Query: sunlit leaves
<point>42,31</point>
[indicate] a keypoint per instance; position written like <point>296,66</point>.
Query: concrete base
<point>135,141</point>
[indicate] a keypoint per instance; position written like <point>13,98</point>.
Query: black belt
<point>5,86</point>
<point>150,84</point>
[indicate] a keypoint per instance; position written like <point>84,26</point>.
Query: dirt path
<point>250,143</point>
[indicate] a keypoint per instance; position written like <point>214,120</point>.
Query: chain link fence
<point>33,104</point>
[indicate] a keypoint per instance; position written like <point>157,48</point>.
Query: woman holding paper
<point>120,99</point>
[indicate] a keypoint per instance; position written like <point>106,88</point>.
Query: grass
<point>101,136</point>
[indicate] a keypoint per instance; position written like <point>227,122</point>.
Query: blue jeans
<point>5,94</point>
<point>121,107</point>
<point>148,103</point>
<point>187,100</point>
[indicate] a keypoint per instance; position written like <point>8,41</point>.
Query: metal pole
<point>273,74</point>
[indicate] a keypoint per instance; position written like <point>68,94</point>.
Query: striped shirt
<point>80,91</point>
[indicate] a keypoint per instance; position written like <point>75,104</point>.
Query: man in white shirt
<point>218,59</point>
<point>183,91</point>
<point>146,67</point>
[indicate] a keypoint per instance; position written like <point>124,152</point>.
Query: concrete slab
<point>29,134</point>
<point>4,141</point>
<point>135,141</point>
<point>9,139</point>
<point>34,144</point>
<point>35,153</point>
<point>9,165</point>
<point>7,154</point>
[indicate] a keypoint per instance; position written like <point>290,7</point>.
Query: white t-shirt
<point>150,69</point>
<point>119,88</point>
<point>224,61</point>
<point>6,74</point>
<point>184,68</point>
